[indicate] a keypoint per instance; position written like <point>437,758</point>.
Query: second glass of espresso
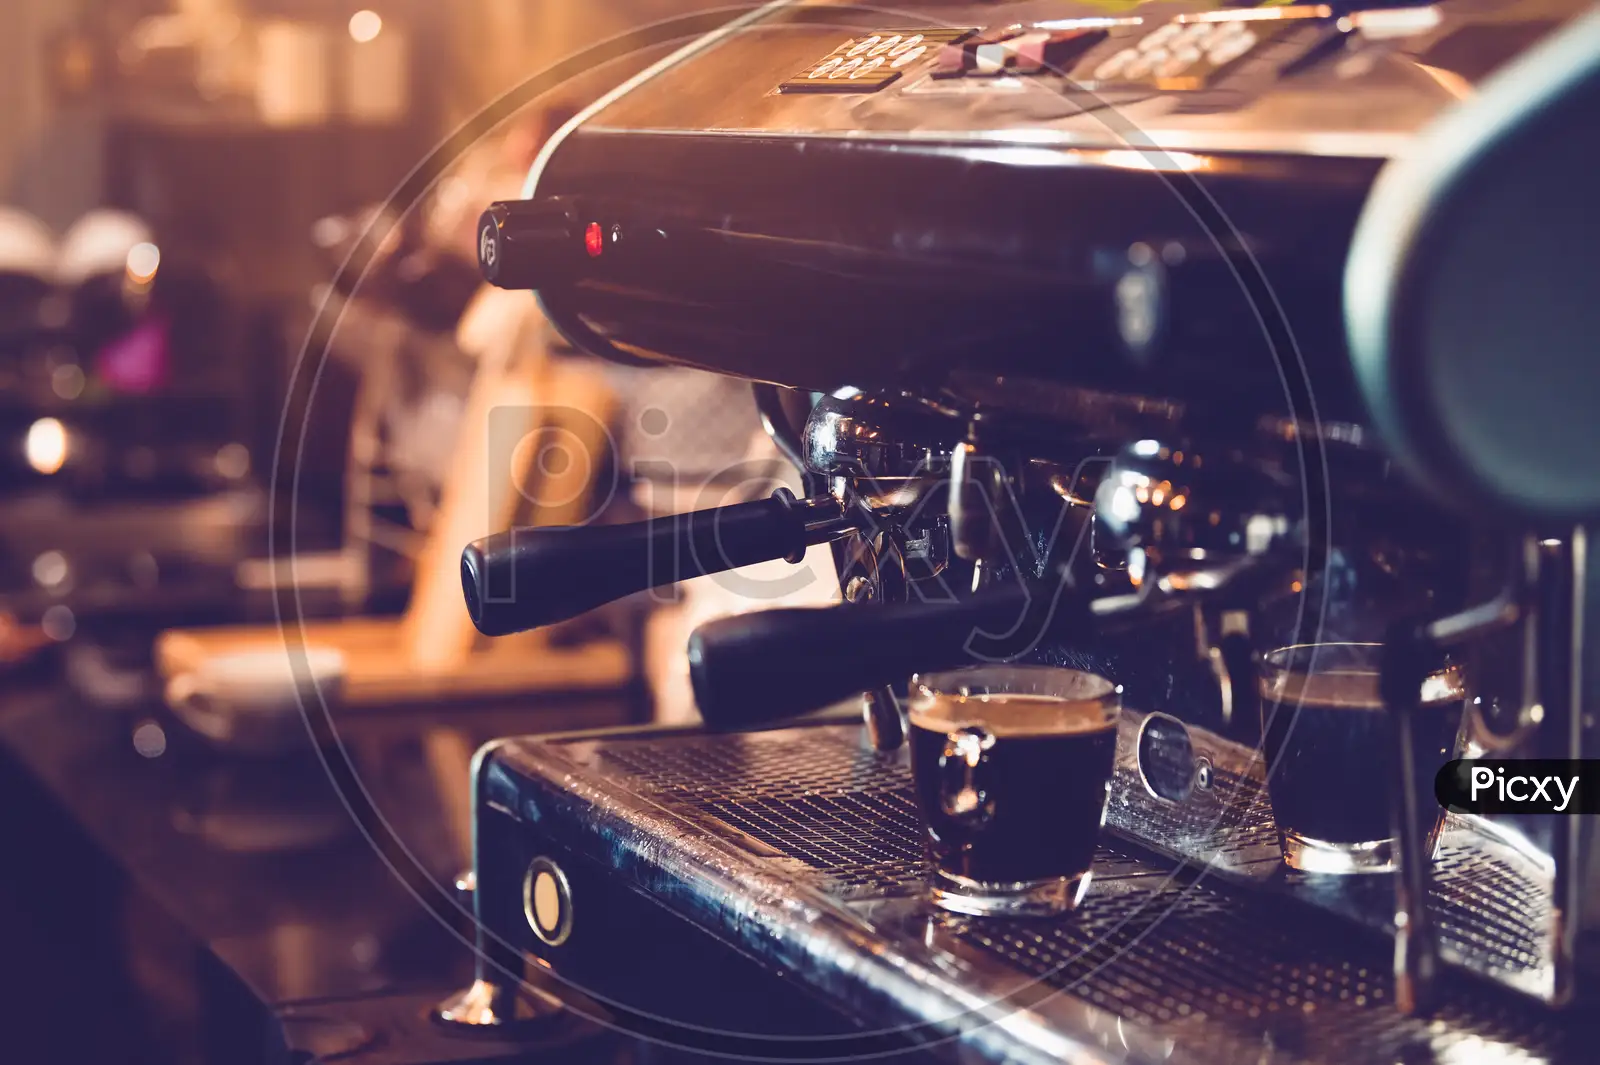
<point>1011,765</point>
<point>1328,744</point>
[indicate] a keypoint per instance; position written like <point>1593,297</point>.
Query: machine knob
<point>529,244</point>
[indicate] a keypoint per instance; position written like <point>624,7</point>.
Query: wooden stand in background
<point>432,652</point>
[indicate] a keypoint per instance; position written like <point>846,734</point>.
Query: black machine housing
<point>1062,271</point>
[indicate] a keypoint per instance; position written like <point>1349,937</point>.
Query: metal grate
<point>769,765</point>
<point>1491,913</point>
<point>1239,826</point>
<point>1229,974</point>
<point>853,835</point>
<point>1232,981</point>
<point>820,797</point>
<point>824,798</point>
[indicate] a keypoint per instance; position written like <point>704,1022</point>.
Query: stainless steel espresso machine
<point>1158,342</point>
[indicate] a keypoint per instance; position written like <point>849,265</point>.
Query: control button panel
<point>872,61</point>
<point>1193,51</point>
<point>1016,50</point>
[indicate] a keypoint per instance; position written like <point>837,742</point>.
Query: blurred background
<point>253,402</point>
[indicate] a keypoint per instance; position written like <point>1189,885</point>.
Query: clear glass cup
<point>1012,766</point>
<point>1328,744</point>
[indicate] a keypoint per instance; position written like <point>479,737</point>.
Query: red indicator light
<point>594,239</point>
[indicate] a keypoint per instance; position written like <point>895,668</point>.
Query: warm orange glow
<point>1448,80</point>
<point>1155,159</point>
<point>1261,14</point>
<point>144,260</point>
<point>46,446</point>
<point>1178,502</point>
<point>365,26</point>
<point>51,569</point>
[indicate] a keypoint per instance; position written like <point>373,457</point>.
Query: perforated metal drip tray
<point>802,848</point>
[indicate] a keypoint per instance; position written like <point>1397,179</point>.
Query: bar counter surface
<point>162,902</point>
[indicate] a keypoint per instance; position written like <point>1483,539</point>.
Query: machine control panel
<point>872,61</point>
<point>1187,53</point>
<point>1194,52</point>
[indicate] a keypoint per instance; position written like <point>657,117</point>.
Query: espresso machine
<point>1141,340</point>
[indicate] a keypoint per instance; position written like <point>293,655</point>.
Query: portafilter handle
<point>524,578</point>
<point>770,665</point>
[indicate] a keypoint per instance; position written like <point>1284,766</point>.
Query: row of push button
<point>1161,55</point>
<point>1188,52</point>
<point>868,63</point>
<point>840,67</point>
<point>1184,54</point>
<point>893,45</point>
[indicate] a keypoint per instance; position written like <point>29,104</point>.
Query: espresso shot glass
<point>1011,765</point>
<point>1328,741</point>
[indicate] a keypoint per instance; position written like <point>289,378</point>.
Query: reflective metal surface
<point>857,434</point>
<point>942,237</point>
<point>802,848</point>
<point>495,1006</point>
<point>1394,97</point>
<point>1021,277</point>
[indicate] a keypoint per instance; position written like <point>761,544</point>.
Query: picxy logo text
<point>1532,786</point>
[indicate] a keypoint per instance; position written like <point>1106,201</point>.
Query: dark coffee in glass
<point>1328,742</point>
<point>1011,765</point>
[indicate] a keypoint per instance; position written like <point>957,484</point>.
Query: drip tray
<point>802,846</point>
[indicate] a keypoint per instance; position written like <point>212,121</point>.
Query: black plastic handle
<point>773,664</point>
<point>525,578</point>
<point>528,244</point>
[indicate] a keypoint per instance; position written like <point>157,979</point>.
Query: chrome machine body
<point>1050,303</point>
